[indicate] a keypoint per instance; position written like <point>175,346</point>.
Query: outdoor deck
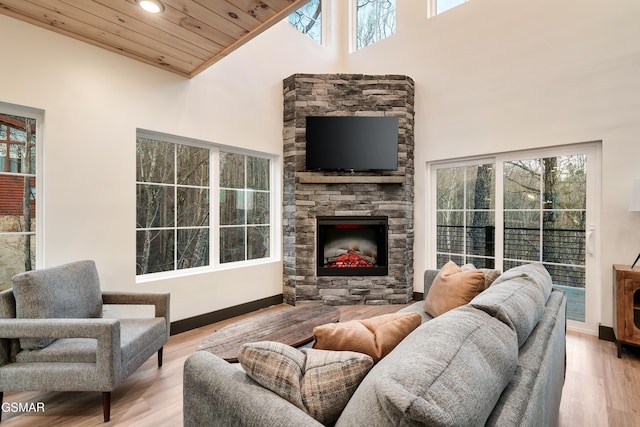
<point>575,302</point>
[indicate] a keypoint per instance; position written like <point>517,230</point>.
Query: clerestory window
<point>436,7</point>
<point>308,20</point>
<point>374,20</point>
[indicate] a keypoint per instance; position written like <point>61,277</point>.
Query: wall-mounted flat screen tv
<point>352,143</point>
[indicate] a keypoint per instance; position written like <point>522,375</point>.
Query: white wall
<point>94,100</point>
<point>491,76</point>
<point>502,75</point>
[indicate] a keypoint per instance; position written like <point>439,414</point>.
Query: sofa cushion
<point>532,397</point>
<point>67,291</point>
<point>375,336</point>
<point>518,298</point>
<point>62,350</point>
<point>317,381</point>
<point>417,307</point>
<point>448,372</point>
<point>135,336</point>
<point>8,347</point>
<point>451,288</point>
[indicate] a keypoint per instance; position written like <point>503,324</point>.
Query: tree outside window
<point>175,198</point>
<point>308,20</point>
<point>172,197</point>
<point>244,207</point>
<point>465,213</point>
<point>545,215</point>
<point>375,20</point>
<point>542,218</point>
<point>17,196</point>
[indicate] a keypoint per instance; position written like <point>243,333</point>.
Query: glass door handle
<point>590,238</point>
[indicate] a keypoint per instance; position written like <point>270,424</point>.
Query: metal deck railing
<point>561,250</point>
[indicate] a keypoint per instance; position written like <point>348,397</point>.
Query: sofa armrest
<point>217,393</point>
<point>160,300</point>
<point>105,331</point>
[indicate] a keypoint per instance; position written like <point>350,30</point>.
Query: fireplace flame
<point>350,252</point>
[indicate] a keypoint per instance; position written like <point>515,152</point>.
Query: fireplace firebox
<point>352,246</point>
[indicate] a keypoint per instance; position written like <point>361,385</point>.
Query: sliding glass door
<point>517,208</point>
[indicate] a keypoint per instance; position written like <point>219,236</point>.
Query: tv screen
<point>354,143</point>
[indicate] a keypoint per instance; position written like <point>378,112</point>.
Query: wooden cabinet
<point>626,305</point>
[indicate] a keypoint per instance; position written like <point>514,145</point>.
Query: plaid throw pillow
<point>319,382</point>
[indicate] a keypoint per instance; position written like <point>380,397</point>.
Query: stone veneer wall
<point>346,95</point>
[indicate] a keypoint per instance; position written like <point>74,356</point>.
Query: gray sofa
<point>498,361</point>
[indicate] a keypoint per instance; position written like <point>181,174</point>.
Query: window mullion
<point>465,225</point>
<point>175,207</point>
<point>272,208</point>
<point>499,214</point>
<point>246,209</point>
<point>214,208</point>
<point>431,8</point>
<point>541,207</point>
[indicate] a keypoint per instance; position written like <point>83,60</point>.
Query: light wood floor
<point>599,390</point>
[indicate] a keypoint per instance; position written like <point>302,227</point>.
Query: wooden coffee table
<point>289,325</point>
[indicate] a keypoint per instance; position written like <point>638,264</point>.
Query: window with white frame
<point>436,7</point>
<point>517,208</point>
<point>374,20</point>
<point>199,205</point>
<point>308,20</point>
<point>465,214</point>
<point>19,147</point>
<point>245,196</point>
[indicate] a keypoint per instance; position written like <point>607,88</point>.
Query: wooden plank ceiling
<point>187,38</point>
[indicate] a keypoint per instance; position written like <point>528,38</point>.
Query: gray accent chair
<point>53,336</point>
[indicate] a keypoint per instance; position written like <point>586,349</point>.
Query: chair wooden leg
<point>106,405</point>
<point>160,357</point>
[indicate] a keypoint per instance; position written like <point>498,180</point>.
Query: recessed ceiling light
<point>151,6</point>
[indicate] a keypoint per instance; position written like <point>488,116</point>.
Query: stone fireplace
<point>348,237</point>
